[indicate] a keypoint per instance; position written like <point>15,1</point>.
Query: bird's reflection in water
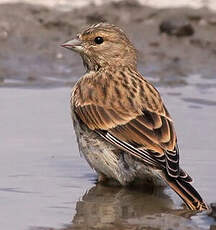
<point>117,208</point>
<point>104,207</point>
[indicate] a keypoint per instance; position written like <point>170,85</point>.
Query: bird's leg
<point>102,178</point>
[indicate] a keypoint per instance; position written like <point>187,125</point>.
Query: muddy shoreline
<point>30,38</point>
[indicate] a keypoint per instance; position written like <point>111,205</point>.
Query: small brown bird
<point>123,128</point>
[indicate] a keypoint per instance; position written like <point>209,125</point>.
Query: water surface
<point>45,183</point>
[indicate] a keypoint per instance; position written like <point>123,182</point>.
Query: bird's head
<point>103,44</point>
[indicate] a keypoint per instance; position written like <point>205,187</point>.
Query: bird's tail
<point>187,192</point>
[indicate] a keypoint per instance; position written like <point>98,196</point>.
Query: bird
<point>122,126</point>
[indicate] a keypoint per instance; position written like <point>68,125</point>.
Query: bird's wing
<point>143,130</point>
<point>148,136</point>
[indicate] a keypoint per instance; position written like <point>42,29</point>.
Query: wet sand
<point>31,53</point>
<point>44,183</point>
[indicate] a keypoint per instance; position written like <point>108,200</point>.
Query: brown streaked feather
<point>157,120</point>
<point>165,131</point>
<point>139,136</point>
<point>145,122</point>
<point>171,144</point>
<point>187,192</point>
<point>134,121</point>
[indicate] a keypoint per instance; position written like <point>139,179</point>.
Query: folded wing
<point>148,136</point>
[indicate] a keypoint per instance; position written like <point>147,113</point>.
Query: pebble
<point>176,27</point>
<point>4,29</point>
<point>212,21</point>
<point>203,22</point>
<point>59,55</point>
<point>213,210</point>
<point>213,227</point>
<point>3,35</point>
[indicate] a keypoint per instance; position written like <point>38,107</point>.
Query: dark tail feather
<point>187,192</point>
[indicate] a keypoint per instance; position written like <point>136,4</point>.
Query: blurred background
<point>154,3</point>
<point>44,182</point>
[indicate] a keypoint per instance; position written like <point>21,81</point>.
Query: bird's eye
<point>98,40</point>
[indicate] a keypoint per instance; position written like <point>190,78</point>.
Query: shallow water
<point>45,183</point>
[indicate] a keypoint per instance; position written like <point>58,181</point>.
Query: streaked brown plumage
<point>123,128</point>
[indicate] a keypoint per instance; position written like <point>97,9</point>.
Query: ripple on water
<point>200,101</point>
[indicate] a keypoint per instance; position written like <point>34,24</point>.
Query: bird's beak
<point>74,44</point>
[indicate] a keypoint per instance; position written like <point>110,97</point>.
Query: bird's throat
<point>90,64</point>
